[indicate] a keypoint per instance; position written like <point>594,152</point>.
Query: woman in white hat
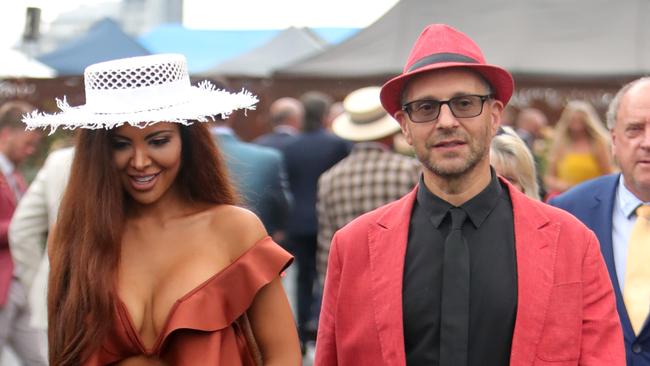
<point>152,262</point>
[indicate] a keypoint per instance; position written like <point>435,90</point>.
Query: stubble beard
<point>452,172</point>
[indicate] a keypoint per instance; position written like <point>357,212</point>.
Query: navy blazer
<point>307,157</point>
<point>275,139</point>
<point>592,202</point>
<point>259,175</point>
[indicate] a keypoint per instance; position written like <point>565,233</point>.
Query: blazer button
<point>636,348</point>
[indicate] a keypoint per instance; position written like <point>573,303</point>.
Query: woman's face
<point>508,174</point>
<point>577,123</point>
<point>147,159</point>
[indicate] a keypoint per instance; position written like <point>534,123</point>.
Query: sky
<point>280,14</point>
<point>237,14</point>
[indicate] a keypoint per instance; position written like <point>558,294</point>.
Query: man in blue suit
<point>607,204</point>
<point>286,116</point>
<point>309,155</point>
<point>259,175</point>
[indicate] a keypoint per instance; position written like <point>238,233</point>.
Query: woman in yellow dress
<point>580,148</point>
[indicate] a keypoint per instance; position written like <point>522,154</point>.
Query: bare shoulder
<point>238,227</point>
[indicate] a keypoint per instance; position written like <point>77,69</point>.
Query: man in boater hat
<point>371,176</point>
<point>465,269</point>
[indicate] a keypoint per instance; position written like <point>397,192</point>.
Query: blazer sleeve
<point>6,211</point>
<point>326,227</point>
<point>4,229</point>
<point>282,199</point>
<point>326,354</point>
<point>602,336</point>
<point>28,230</point>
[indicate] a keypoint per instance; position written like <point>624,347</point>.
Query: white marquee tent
<point>16,64</point>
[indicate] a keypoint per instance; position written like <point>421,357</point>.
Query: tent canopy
<point>206,48</point>
<point>286,47</point>
<point>579,38</point>
<point>16,64</point>
<point>104,41</point>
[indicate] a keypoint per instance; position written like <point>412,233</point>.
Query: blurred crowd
<point>323,164</point>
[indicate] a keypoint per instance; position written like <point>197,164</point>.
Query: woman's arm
<point>274,327</point>
<point>552,182</point>
<point>270,314</point>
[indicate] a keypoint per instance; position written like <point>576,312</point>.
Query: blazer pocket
<point>562,332</point>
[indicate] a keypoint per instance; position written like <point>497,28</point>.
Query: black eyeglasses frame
<point>483,98</point>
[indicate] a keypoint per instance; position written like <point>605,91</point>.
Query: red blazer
<point>566,312</point>
<point>7,208</point>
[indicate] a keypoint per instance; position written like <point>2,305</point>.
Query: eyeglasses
<point>464,106</point>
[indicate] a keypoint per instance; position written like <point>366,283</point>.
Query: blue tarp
<point>104,41</point>
<point>206,48</point>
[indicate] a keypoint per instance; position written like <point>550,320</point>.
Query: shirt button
<point>636,348</point>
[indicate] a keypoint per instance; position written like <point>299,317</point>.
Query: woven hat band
<point>362,118</point>
<point>141,99</point>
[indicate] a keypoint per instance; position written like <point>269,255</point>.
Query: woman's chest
<point>152,280</point>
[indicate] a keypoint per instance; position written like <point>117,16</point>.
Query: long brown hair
<point>85,247</point>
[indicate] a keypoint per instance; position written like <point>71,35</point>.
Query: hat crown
<point>363,117</point>
<point>443,40</point>
<point>136,72</point>
<point>363,105</point>
<point>137,83</point>
<point>440,47</point>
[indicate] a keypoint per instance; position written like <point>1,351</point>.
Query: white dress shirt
<point>623,219</point>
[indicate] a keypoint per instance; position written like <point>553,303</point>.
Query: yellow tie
<point>636,292</point>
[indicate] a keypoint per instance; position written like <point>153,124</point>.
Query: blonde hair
<point>593,125</point>
<point>510,152</point>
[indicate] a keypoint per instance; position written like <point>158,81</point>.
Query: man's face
<point>631,139</point>
<point>20,144</point>
<point>450,147</point>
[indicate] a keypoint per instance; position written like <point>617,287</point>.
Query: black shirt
<point>489,232</point>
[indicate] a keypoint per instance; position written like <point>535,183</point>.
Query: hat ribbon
<point>152,97</point>
<point>441,57</point>
<point>368,117</point>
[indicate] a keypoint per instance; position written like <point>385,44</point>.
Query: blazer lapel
<point>535,241</point>
<point>387,247</point>
<point>7,191</point>
<point>602,209</point>
<point>20,182</point>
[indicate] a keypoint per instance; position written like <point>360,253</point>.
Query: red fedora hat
<point>440,47</point>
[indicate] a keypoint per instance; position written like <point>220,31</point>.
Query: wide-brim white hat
<point>141,91</point>
<point>364,119</point>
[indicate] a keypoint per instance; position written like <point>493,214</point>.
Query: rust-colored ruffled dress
<point>201,327</point>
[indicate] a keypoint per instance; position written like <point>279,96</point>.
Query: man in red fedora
<point>465,269</point>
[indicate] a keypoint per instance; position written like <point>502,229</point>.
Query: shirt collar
<point>369,146</point>
<point>222,130</point>
<point>6,166</point>
<point>627,202</point>
<point>289,130</point>
<point>477,208</point>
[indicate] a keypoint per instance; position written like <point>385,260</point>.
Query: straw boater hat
<point>363,118</point>
<point>441,47</point>
<point>141,91</point>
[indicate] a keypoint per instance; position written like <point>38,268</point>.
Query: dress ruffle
<point>211,307</point>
